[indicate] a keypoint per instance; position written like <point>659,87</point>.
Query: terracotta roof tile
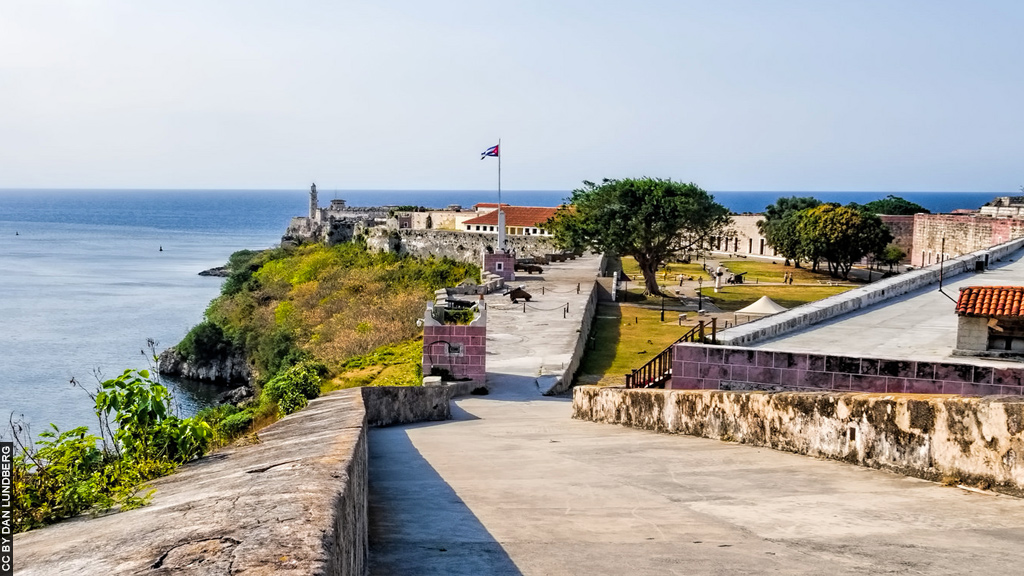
<point>991,301</point>
<point>515,216</point>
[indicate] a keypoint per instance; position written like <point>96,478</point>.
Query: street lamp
<point>663,306</point>
<point>700,295</point>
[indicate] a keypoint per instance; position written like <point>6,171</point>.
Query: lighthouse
<point>314,206</point>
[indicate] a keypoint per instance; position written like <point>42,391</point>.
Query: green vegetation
<point>733,298</point>
<point>625,336</point>
<point>63,474</point>
<point>896,206</point>
<point>317,318</point>
<point>805,229</point>
<point>394,365</point>
<point>841,235</point>
<point>769,271</point>
<point>649,219</point>
<point>283,306</point>
<point>780,226</point>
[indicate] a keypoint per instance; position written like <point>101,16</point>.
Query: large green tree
<point>842,235</point>
<point>780,223</point>
<point>646,218</point>
<point>895,206</point>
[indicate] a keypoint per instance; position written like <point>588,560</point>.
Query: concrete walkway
<point>919,326</point>
<point>515,486</point>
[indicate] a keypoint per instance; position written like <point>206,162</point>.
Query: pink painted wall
<point>696,366</point>
<point>471,363</point>
<point>508,265</point>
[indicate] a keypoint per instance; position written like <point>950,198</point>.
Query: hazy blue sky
<point>733,95</point>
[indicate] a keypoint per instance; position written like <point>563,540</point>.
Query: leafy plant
<point>63,474</point>
<point>295,387</point>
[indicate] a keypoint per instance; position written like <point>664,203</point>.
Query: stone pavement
<point>515,486</point>
<point>920,325</point>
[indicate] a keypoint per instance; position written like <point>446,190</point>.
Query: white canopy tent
<point>764,306</point>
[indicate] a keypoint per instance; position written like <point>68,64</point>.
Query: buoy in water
<point>161,248</point>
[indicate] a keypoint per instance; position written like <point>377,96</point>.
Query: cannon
<point>529,268</point>
<point>518,293</point>
<point>737,279</point>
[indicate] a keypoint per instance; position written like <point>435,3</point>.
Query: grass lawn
<point>759,270</point>
<point>732,298</point>
<point>667,275</point>
<point>624,337</point>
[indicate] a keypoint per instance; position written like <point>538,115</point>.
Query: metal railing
<point>658,370</point>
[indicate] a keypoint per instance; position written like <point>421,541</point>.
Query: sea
<point>88,277</point>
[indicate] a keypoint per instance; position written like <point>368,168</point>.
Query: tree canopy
<point>646,218</point>
<point>895,206</point>
<point>779,226</point>
<point>842,235</point>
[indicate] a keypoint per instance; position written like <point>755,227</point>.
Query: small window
<point>478,228</point>
<point>499,266</point>
<point>455,348</point>
<point>492,228</point>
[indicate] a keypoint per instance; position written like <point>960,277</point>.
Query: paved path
<point>515,486</point>
<point>920,325</point>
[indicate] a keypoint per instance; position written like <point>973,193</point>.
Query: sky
<point>816,95</point>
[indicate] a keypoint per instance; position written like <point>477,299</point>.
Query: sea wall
<point>858,298</point>
<point>294,502</point>
<point>976,441</point>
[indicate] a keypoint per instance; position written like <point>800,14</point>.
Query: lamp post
<point>663,306</point>
<point>700,295</point>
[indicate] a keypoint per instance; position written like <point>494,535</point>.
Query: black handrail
<point>658,370</point>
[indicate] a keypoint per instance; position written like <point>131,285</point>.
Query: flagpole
<point>501,222</point>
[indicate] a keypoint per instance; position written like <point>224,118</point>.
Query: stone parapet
<point>703,367</point>
<point>974,441</point>
<point>293,503</point>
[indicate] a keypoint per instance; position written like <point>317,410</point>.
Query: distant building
<point>519,220</point>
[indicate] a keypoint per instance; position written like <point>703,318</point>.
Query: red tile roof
<point>991,301</point>
<point>527,216</point>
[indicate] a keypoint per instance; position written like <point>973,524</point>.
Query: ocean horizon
<point>63,203</point>
<point>90,275</point>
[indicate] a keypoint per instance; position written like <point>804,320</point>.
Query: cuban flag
<point>492,151</point>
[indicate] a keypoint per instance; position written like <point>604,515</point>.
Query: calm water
<point>83,284</point>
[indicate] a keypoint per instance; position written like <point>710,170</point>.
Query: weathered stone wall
<point>462,246</point>
<point>963,234</point>
<point>902,228</point>
<point>742,237</point>
<point>978,441</point>
<point>295,503</point>
<point>699,366</point>
<point>971,334</point>
<point>858,298</point>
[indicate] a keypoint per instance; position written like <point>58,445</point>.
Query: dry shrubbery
<point>325,303</point>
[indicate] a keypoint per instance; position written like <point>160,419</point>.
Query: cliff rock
<point>231,369</point>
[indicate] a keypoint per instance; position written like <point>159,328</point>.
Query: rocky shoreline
<point>232,372</point>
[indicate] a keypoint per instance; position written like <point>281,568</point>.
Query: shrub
<point>204,342</point>
<point>66,473</point>
<point>235,425</point>
<point>293,388</point>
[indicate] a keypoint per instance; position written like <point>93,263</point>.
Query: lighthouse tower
<point>314,206</point>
